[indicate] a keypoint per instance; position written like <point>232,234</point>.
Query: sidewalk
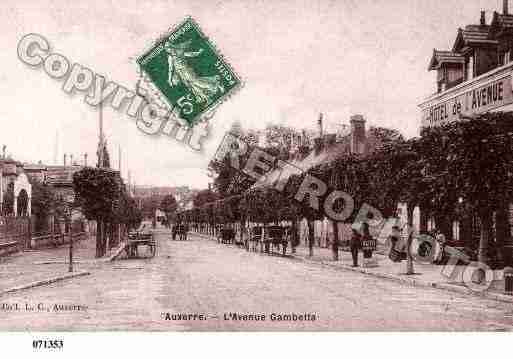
<point>41,265</point>
<point>426,275</point>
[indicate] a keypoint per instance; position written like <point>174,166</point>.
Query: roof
<point>440,57</point>
<point>61,175</point>
<point>299,165</point>
<point>500,23</point>
<point>471,35</point>
<point>34,167</point>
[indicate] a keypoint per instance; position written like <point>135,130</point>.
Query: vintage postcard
<point>256,166</point>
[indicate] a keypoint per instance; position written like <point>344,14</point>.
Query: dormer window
<point>449,67</point>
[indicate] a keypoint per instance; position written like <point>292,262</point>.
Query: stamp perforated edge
<point>162,101</point>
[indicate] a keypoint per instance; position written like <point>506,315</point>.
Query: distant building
<point>14,182</point>
<point>183,194</point>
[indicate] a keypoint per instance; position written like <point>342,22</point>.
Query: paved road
<point>202,277</point>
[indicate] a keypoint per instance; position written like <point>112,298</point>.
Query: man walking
<point>175,231</point>
<point>354,244</point>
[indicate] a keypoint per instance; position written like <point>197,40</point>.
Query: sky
<point>296,59</point>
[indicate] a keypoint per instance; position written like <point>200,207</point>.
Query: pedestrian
<point>440,242</point>
<point>354,244</point>
<point>367,252</point>
<point>185,230</point>
<point>394,238</point>
<point>180,231</point>
<point>175,231</point>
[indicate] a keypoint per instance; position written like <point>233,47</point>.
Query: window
<point>500,61</point>
<point>456,230</point>
<point>470,68</point>
<point>511,219</point>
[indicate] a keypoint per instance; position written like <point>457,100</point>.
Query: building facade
<point>15,189</point>
<point>474,77</point>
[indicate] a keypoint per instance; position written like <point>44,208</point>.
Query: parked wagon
<point>275,239</point>
<point>255,237</point>
<point>227,235</point>
<point>182,231</point>
<point>138,239</point>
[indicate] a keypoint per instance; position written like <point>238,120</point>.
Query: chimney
<point>483,17</point>
<point>71,160</point>
<point>85,159</point>
<point>358,136</point>
<point>65,157</point>
<point>505,7</point>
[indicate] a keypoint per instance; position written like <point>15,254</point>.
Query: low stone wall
<point>55,240</point>
<point>9,248</point>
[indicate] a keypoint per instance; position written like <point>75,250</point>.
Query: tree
<point>168,206</point>
<point>149,205</point>
<point>128,212</point>
<point>43,201</point>
<point>473,164</point>
<point>96,192</point>
<point>203,197</point>
<point>385,136</point>
<point>8,205</point>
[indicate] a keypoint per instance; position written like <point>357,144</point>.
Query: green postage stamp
<point>188,72</point>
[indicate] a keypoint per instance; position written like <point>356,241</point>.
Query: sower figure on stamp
<point>354,244</point>
<point>202,87</point>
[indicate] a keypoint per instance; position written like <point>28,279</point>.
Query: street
<point>223,285</point>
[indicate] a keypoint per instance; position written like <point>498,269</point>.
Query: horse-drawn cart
<point>137,239</point>
<point>276,238</point>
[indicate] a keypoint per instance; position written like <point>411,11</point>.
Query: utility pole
<point>129,184</point>
<point>1,192</point>
<point>100,137</point>
<point>56,148</point>
<point>119,159</point>
<point>70,267</point>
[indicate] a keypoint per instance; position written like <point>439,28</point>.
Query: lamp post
<point>70,264</point>
<point>67,212</point>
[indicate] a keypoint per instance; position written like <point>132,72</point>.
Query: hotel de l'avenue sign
<point>479,98</point>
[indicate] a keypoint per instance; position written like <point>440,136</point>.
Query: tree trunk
<point>108,236</point>
<point>484,240</point>
<point>98,238</point>
<point>294,235</point>
<point>423,225</point>
<point>409,259</point>
<point>501,231</point>
<point>104,238</point>
<point>466,229</point>
<point>311,239</point>
<point>445,226</point>
<point>334,244</point>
